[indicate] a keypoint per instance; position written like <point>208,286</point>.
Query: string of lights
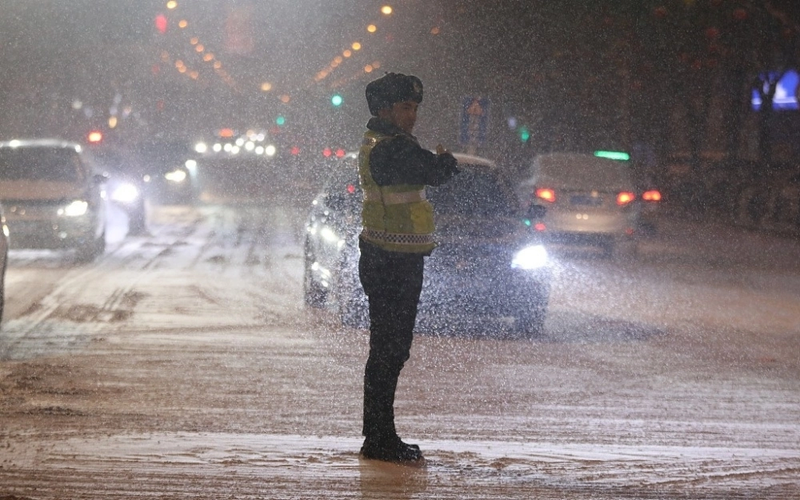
<point>200,50</point>
<point>356,46</point>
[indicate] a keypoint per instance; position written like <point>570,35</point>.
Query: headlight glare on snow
<point>532,257</point>
<point>74,209</point>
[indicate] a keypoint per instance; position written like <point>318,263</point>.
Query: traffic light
<point>524,134</point>
<point>280,120</point>
<point>337,100</point>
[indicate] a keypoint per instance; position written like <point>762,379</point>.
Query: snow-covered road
<point>183,365</point>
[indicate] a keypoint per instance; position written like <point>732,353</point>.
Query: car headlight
<point>74,209</point>
<point>177,176</point>
<point>532,257</point>
<point>125,193</point>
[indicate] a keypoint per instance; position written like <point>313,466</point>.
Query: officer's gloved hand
<point>449,163</point>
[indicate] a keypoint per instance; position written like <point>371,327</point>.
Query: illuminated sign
<point>613,155</point>
<point>785,93</point>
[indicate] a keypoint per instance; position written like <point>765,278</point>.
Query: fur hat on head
<point>392,88</point>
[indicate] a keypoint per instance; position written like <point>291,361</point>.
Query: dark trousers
<point>392,282</point>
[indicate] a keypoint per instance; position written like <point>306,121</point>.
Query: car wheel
<point>90,251</point>
<point>351,304</point>
<point>137,221</point>
<point>623,249</point>
<point>314,295</point>
<point>531,324</point>
<point>353,310</point>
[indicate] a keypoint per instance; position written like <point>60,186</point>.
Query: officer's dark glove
<point>449,163</point>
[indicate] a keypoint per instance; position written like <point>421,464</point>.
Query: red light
<point>226,132</point>
<point>546,194</point>
<point>95,136</point>
<point>327,152</point>
<point>339,153</point>
<point>539,226</point>
<point>161,23</point>
<point>351,188</point>
<point>625,197</point>
<point>652,195</point>
<point>295,150</point>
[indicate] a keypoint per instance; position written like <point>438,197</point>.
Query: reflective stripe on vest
<point>397,239</point>
<point>395,198</point>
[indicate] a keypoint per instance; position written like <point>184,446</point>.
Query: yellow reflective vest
<point>396,218</point>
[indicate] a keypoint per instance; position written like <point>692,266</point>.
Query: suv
<point>53,198</point>
<point>489,261</point>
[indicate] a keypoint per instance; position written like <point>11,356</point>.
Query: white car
<point>589,200</point>
<point>53,197</point>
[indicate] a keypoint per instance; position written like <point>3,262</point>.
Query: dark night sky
<point>535,56</point>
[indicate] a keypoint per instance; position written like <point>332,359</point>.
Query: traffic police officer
<point>397,233</point>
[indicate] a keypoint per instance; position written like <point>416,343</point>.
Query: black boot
<point>390,450</point>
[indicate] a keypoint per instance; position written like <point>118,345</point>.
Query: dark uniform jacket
<point>401,160</point>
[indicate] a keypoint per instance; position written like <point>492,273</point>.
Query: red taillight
<point>351,188</point>
<point>95,136</point>
<point>539,226</point>
<point>651,195</point>
<point>546,194</point>
<point>625,197</point>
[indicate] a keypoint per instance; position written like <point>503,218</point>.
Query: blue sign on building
<point>474,121</point>
<point>785,93</point>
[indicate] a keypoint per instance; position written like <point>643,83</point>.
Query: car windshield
<point>473,193</point>
<point>40,164</point>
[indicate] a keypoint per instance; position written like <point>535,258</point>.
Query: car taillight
<point>351,188</point>
<point>625,197</point>
<point>651,195</point>
<point>546,194</point>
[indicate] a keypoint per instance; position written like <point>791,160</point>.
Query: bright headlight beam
<point>532,257</point>
<point>176,176</point>
<point>74,209</point>
<point>125,193</point>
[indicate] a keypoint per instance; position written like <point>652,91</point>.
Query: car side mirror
<point>537,212</point>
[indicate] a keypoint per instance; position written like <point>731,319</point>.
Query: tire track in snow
<point>55,323</point>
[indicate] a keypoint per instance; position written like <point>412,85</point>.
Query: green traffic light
<point>337,100</point>
<point>280,120</point>
<point>524,134</point>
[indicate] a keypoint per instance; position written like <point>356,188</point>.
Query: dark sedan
<point>489,263</point>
